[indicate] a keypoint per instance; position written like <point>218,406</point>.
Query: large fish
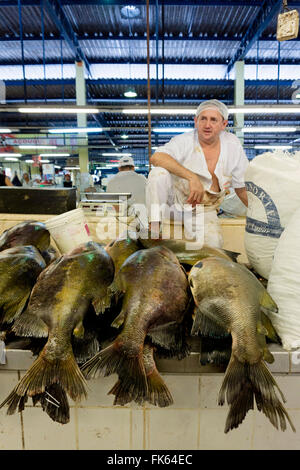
<point>186,256</point>
<point>230,299</point>
<point>26,233</point>
<point>120,249</point>
<point>19,268</point>
<point>156,294</point>
<point>57,306</point>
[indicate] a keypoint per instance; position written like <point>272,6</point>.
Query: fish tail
<point>158,393</point>
<point>114,359</point>
<point>42,374</point>
<point>242,383</point>
<point>55,403</point>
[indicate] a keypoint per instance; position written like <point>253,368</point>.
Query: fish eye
<point>199,265</point>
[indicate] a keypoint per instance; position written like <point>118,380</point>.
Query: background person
<point>4,180</point>
<point>127,180</point>
<point>16,181</point>
<point>26,181</point>
<point>197,167</point>
<point>67,181</point>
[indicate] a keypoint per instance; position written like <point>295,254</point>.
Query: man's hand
<point>196,190</point>
<point>242,194</point>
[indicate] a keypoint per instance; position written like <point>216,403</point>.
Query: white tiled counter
<point>194,421</point>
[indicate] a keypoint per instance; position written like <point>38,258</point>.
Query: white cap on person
<point>126,161</point>
<point>213,104</point>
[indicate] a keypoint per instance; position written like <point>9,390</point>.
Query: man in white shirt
<point>128,181</point>
<point>195,168</point>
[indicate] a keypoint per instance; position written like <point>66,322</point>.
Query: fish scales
<point>229,295</point>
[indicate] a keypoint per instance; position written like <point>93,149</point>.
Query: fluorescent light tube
<point>282,147</point>
<point>11,159</point>
<point>8,154</point>
<point>171,130</point>
<point>269,129</point>
<point>116,154</point>
<point>75,130</point>
<point>72,167</point>
<point>130,94</point>
<point>44,161</point>
<point>42,110</point>
<point>265,110</point>
<point>167,111</point>
<point>55,155</point>
<point>29,161</point>
<point>5,131</point>
<point>37,147</point>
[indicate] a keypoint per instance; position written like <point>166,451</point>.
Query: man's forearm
<point>242,194</point>
<point>169,163</point>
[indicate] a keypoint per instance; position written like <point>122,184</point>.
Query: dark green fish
<point>230,299</point>
<point>155,294</point>
<point>57,306</point>
<point>19,268</point>
<point>187,256</point>
<point>120,249</point>
<point>26,233</point>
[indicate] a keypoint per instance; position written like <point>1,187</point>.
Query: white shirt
<point>128,182</point>
<point>231,165</point>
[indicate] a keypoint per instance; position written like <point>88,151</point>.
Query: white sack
<point>273,189</point>
<point>284,284</point>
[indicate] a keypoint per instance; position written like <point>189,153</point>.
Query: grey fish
<point>230,300</point>
<point>56,309</point>
<point>30,232</point>
<point>155,294</point>
<point>20,267</point>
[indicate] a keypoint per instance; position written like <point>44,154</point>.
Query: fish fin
<point>271,332</point>
<point>102,303</point>
<point>158,393</point>
<point>115,290</point>
<point>78,331</point>
<point>267,302</point>
<point>86,347</point>
<point>44,373</point>
<point>206,325</point>
<point>232,254</point>
<point>55,403</point>
<point>119,320</point>
<point>28,324</point>
<point>243,382</point>
<point>261,329</point>
<point>113,359</point>
<point>170,340</point>
<point>268,356</point>
<point>14,310</point>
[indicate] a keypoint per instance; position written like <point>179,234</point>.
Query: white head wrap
<point>213,104</point>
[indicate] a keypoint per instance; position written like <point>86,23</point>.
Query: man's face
<point>209,124</point>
